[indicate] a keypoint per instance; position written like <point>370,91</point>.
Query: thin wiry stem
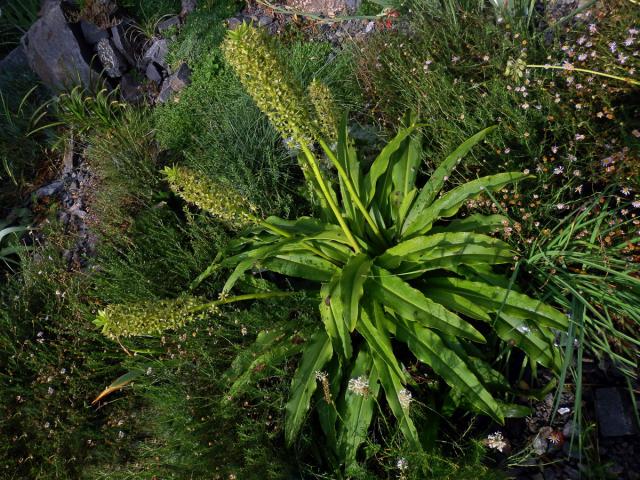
<point>584,70</point>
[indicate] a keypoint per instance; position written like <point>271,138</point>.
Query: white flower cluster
<point>359,386</point>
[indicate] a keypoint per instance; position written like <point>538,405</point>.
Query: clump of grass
<point>51,364</point>
<point>20,151</point>
<point>15,20</point>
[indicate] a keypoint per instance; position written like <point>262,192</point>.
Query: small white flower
<point>636,204</point>
<point>402,464</point>
<point>359,386</point>
<point>50,391</point>
<point>496,441</point>
<point>558,170</point>
<point>405,398</point>
<point>554,149</point>
<point>625,190</point>
<point>561,206</point>
<point>613,46</point>
<point>564,410</point>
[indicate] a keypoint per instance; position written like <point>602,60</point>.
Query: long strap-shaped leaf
<point>449,204</point>
<point>429,348</point>
<point>436,181</point>
<point>370,327</point>
<point>301,265</point>
<point>477,223</point>
<point>381,163</point>
<point>440,249</point>
<point>392,378</point>
<point>392,386</point>
<point>316,354</point>
<point>354,275</point>
<point>498,299</point>
<point>411,304</point>
<point>331,311</point>
<point>310,229</point>
<point>529,339</point>
<point>357,408</point>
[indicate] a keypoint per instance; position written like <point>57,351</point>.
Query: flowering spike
<point>151,317</point>
<point>252,55</point>
<point>215,198</point>
<point>326,110</point>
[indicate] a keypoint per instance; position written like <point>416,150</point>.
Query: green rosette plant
<point>397,274</point>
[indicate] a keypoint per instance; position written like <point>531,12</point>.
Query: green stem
<point>350,187</point>
<point>327,194</point>
<point>584,70</point>
<point>241,298</point>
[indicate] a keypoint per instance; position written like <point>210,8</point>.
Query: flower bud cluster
<point>252,55</point>
<point>219,200</point>
<point>152,317</point>
<point>326,110</point>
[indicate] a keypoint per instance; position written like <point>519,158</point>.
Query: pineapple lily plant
<point>397,275</point>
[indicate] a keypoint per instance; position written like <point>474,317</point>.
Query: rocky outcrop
<point>102,48</point>
<point>54,52</point>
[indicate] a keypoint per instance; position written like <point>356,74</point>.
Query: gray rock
<point>264,20</point>
<point>168,23</point>
<point>180,78</point>
<point>188,6</point>
<point>157,53</point>
<point>165,92</point>
<point>120,37</point>
<point>131,89</point>
<point>15,60</point>
<point>234,23</point>
<point>614,412</point>
<point>49,190</point>
<point>54,53</point>
<point>92,33</point>
<point>112,60</point>
<point>154,73</point>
